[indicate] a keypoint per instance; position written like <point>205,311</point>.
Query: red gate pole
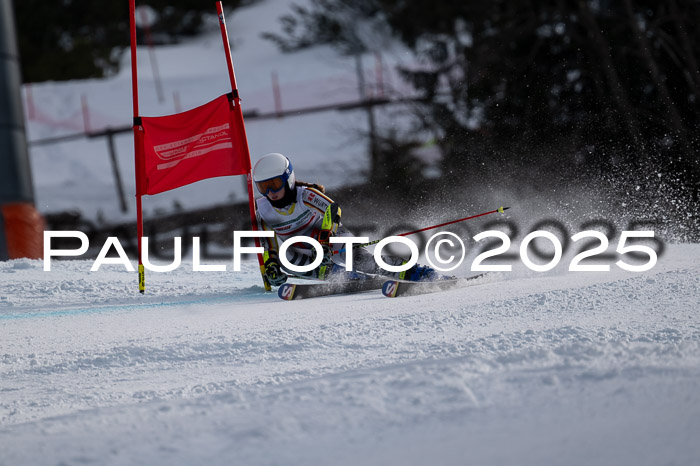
<point>138,142</point>
<point>238,115</point>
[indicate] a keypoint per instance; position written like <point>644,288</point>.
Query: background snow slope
<point>328,147</point>
<point>560,368</point>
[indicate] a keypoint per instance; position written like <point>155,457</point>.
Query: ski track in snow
<point>529,369</point>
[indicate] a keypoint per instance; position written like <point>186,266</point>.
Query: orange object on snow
<point>24,230</point>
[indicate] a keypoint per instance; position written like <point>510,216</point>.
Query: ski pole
<point>499,210</point>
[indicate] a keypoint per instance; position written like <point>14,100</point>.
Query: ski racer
<point>293,208</point>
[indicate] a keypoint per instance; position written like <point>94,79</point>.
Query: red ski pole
<point>499,210</point>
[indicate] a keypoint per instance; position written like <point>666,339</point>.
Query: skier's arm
<point>318,201</point>
<point>273,272</point>
<point>329,226</point>
<point>270,244</point>
<point>330,223</point>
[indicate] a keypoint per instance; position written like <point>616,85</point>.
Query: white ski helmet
<point>272,172</point>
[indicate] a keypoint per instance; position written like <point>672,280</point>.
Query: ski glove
<point>327,255</point>
<point>273,271</point>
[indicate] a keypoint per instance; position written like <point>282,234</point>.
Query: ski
<point>290,291</point>
<point>398,288</point>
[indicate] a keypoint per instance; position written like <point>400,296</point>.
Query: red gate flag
<point>190,146</point>
<point>176,150</point>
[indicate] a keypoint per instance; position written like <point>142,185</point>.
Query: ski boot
<point>420,273</point>
<point>336,272</point>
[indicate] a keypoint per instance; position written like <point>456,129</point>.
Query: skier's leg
<point>299,257</point>
<point>363,261</point>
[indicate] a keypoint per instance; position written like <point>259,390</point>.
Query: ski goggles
<point>272,185</point>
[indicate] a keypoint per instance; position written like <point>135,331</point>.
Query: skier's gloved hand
<point>273,271</point>
<point>327,255</point>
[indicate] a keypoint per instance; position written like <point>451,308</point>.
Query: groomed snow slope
<point>556,368</point>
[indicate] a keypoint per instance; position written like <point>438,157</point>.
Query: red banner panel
<point>190,146</point>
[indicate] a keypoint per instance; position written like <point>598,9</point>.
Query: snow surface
<point>206,368</point>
